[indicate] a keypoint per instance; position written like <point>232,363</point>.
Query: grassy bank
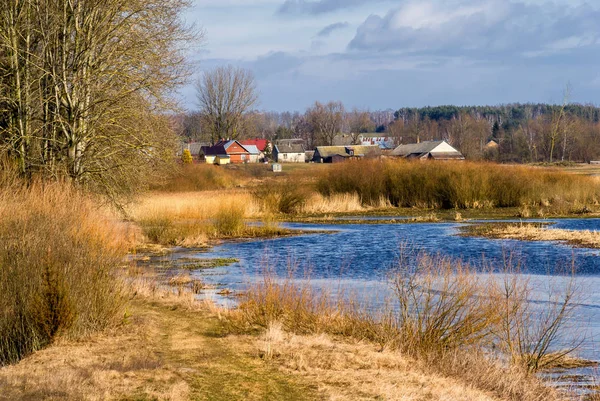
<point>173,347</point>
<point>442,315</point>
<point>534,232</point>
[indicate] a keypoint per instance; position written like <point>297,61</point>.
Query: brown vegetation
<point>57,267</point>
<point>460,185</point>
<point>534,232</point>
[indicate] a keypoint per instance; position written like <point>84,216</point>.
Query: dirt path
<point>163,353</point>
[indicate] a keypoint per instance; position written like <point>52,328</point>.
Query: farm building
<point>290,152</point>
<point>225,152</point>
<point>436,150</point>
<point>337,154</point>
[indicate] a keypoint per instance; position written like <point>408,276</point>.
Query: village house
<point>435,150</point>
<point>289,152</point>
<point>225,152</point>
<point>337,154</point>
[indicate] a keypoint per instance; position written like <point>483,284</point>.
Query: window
<point>285,155</point>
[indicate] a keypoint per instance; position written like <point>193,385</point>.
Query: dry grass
<point>200,177</point>
<point>346,370</point>
<point>57,267</point>
<point>195,219</point>
<point>460,185</point>
<point>198,206</point>
<point>176,348</point>
<point>536,232</point>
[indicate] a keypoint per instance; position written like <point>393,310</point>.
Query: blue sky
<point>379,54</point>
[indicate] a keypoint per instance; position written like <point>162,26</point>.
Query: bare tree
<point>326,120</point>
<point>359,122</point>
<point>225,95</point>
<point>85,86</point>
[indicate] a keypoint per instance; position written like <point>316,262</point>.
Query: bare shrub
<point>440,307</point>
<point>526,331</point>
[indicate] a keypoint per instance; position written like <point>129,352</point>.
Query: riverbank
<point>171,347</point>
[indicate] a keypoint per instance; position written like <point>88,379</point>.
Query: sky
<point>380,54</point>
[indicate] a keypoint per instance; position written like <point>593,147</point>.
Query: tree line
<point>525,133</point>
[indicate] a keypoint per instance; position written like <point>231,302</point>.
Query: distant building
<point>290,152</point>
<point>436,150</point>
<point>381,140</point>
<point>491,145</point>
<point>337,154</point>
<point>194,148</point>
<point>225,152</point>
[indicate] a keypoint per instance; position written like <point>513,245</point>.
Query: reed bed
<point>200,177</point>
<point>58,263</point>
<point>535,232</point>
<point>202,205</point>
<point>461,185</point>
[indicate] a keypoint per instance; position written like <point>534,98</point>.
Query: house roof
<point>435,149</point>
<point>220,148</point>
<point>194,147</point>
<point>252,149</point>
<point>261,144</point>
<point>290,147</point>
<point>342,140</point>
<point>359,150</point>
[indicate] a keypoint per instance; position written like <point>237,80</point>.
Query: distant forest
<point>522,133</point>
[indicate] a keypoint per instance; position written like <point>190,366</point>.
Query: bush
<point>57,268</point>
<point>282,198</point>
<point>229,221</point>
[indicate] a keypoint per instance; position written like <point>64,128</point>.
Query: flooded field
<point>358,258</point>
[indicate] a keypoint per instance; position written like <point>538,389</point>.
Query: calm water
<point>359,257</point>
<point>367,252</point>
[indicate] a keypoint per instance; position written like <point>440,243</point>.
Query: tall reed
<point>461,185</point>
<point>58,256</point>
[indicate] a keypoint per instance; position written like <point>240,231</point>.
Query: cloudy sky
<point>379,54</point>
